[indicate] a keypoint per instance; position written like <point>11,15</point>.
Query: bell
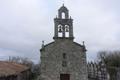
<point>67,30</point>
<point>60,30</point>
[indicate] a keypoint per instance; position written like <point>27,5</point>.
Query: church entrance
<point>64,76</point>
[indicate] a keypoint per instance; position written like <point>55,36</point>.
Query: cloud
<point>25,23</point>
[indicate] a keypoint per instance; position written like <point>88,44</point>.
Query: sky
<point>24,24</point>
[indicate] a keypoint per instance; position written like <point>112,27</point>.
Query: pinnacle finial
<point>63,4</point>
<point>83,43</point>
<point>84,48</point>
<point>42,44</point>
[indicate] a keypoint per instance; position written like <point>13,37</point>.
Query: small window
<point>64,63</point>
<point>64,55</point>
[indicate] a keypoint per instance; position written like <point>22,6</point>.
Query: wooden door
<point>64,76</point>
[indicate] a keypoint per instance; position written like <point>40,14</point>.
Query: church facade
<point>63,59</point>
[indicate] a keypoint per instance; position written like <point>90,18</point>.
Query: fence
<point>97,71</point>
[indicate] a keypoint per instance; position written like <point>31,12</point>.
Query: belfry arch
<point>63,10</point>
<point>63,15</point>
<point>63,18</point>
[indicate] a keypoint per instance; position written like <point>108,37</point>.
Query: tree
<point>112,61</point>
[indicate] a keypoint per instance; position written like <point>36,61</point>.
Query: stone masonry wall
<point>52,60</point>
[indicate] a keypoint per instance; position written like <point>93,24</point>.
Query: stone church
<point>63,59</point>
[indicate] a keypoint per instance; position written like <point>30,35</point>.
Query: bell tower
<point>63,59</point>
<point>63,25</point>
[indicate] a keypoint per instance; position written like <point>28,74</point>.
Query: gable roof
<point>11,68</point>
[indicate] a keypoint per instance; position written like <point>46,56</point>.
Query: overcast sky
<point>25,23</point>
